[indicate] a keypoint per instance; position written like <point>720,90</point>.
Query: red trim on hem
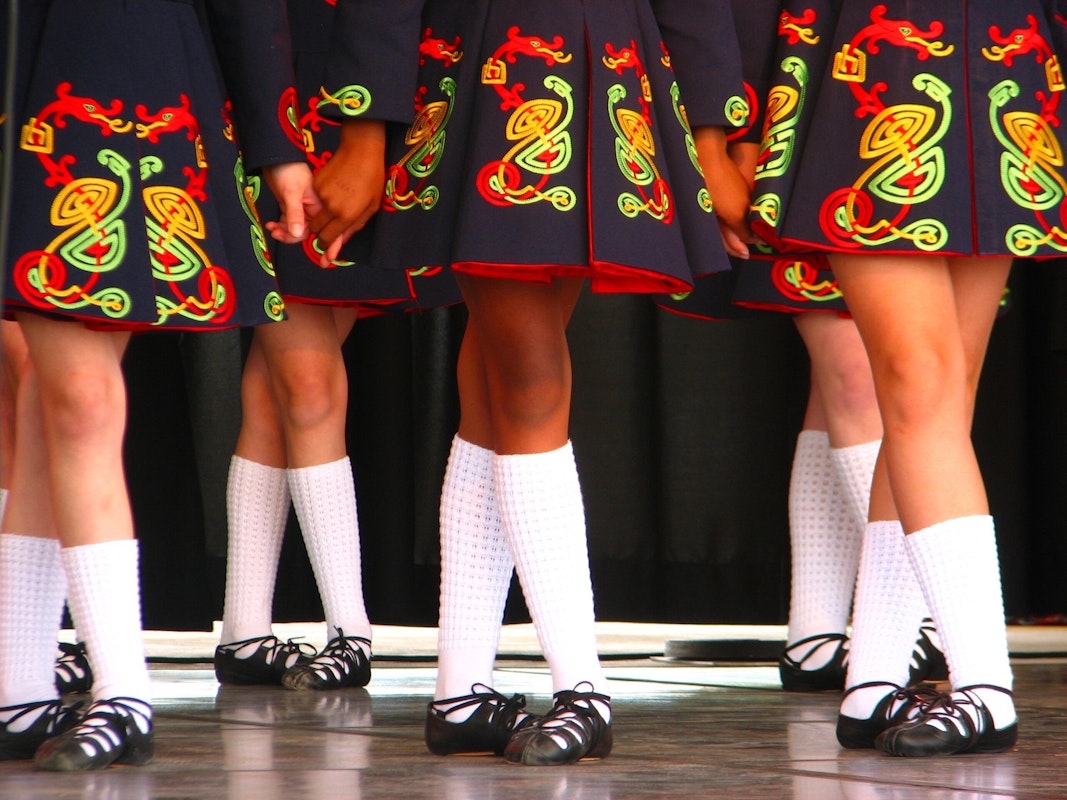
<point>604,278</point>
<point>12,307</point>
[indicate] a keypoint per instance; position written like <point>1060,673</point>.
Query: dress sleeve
<point>254,49</point>
<point>372,69</point>
<point>701,39</point>
<point>756,23</point>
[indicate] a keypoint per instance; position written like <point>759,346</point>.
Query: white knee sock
<point>854,468</point>
<point>885,620</point>
<point>32,590</point>
<point>541,509</point>
<point>257,505</point>
<point>105,599</point>
<point>476,570</point>
<point>325,501</point>
<point>824,545</point>
<point>959,569</point>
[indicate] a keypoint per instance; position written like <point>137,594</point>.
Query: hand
<point>729,187</point>
<point>291,184</point>
<point>350,186</point>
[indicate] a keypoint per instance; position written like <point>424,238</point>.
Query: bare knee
<point>84,407</point>
<point>311,393</point>
<point>921,388</point>
<point>531,392</point>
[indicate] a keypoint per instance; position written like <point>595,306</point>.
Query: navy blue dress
<point>917,127</point>
<point>545,138</point>
<point>133,208</point>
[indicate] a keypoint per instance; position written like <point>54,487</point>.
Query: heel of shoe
<point>827,678</point>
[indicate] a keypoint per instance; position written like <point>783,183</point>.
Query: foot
<point>897,706</point>
<point>342,663</point>
<point>115,731</point>
<point>259,661</point>
<point>20,737</point>
<point>956,722</point>
<point>799,674</point>
<point>73,673</point>
<point>576,728</point>
<point>486,729</point>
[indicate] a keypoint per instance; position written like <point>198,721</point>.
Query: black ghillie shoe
<point>486,730</point>
<point>53,718</point>
<point>893,709</point>
<point>265,666</point>
<point>945,727</point>
<point>571,731</point>
<point>73,673</point>
<point>341,664</point>
<point>927,661</point>
<point>829,677</point>
<point>115,731</point>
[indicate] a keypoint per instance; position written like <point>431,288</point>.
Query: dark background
<point>684,433</point>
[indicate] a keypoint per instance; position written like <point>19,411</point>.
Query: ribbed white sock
<point>824,545</point>
<point>257,505</point>
<point>32,590</point>
<point>959,569</point>
<point>476,570</point>
<point>541,509</point>
<point>105,598</point>
<point>325,501</point>
<point>885,621</point>
<point>854,469</point>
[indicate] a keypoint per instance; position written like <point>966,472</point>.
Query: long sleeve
<point>373,63</point>
<point>700,36</point>
<point>756,23</point>
<point>252,40</point>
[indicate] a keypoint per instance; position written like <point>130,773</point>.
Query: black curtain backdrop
<point>684,433</point>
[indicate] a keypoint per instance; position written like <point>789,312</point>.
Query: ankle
<point>860,701</point>
<point>997,701</point>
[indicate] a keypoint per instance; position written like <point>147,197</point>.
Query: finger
<point>292,215</point>
<point>735,246</point>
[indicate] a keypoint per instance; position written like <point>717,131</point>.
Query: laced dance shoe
<point>115,731</point>
<point>571,731</point>
<point>486,730</point>
<point>829,677</point>
<point>265,666</point>
<point>342,663</point>
<point>73,673</point>
<point>897,707</point>
<point>927,661</point>
<point>955,722</point>
<point>53,718</point>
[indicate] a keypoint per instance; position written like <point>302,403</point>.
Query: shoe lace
<point>339,657</point>
<point>574,719</point>
<point>504,711</point>
<point>53,709</point>
<point>107,723</point>
<point>72,663</point>
<point>815,644</point>
<point>916,699</point>
<point>291,647</point>
<point>950,709</point>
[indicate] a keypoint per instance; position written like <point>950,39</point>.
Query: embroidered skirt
<point>350,281</point>
<point>549,140</point>
<point>916,127</point>
<point>131,207</point>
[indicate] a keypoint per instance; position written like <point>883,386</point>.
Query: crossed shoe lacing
<point>336,666</point>
<point>104,726</point>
